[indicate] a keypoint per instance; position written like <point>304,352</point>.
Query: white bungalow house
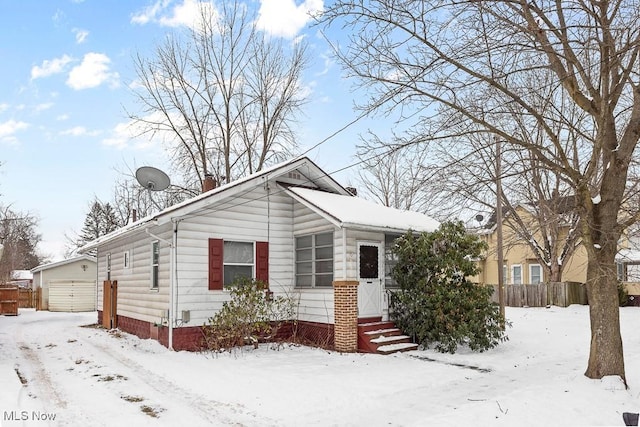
<point>291,225</point>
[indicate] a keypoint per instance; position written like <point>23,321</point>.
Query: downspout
<point>171,278</point>
<point>173,287</point>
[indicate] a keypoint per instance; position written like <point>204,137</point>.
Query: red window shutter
<point>216,264</point>
<point>262,261</point>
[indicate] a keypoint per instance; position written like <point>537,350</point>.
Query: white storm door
<point>370,276</point>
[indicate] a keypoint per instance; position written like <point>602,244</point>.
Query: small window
<point>314,260</point>
<point>126,262</point>
<point>516,274</point>
<point>109,266</point>
<point>368,262</point>
<point>390,259</point>
<point>535,274</point>
<point>620,271</point>
<point>238,261</point>
<point>155,264</point>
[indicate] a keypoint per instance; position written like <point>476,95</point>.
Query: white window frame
<point>513,275</point>
<point>108,263</point>
<point>252,264</point>
<point>390,259</point>
<point>155,267</point>
<point>126,260</point>
<point>314,259</point>
<point>531,267</point>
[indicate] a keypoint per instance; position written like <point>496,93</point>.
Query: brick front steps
<point>376,336</point>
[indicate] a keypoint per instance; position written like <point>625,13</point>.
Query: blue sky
<point>66,70</point>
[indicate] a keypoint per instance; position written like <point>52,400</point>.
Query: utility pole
<point>499,229</point>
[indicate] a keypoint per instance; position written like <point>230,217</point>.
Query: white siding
<point>136,299</point>
<point>254,216</point>
<point>257,215</point>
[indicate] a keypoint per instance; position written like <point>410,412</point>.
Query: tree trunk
<point>605,356</point>
<point>555,273</point>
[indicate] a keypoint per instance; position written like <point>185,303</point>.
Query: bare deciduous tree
<point>475,58</point>
<point>19,239</point>
<point>223,95</point>
<point>395,177</point>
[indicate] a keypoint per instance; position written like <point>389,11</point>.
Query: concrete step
<point>394,348</point>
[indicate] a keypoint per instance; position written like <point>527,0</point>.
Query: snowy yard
<point>55,372</point>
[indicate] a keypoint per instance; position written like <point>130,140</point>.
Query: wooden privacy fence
<point>28,298</point>
<point>9,299</point>
<point>561,294</point>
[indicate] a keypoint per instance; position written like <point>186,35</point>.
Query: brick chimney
<point>209,183</point>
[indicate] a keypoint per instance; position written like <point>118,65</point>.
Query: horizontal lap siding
<point>315,305</point>
<point>136,299</point>
<point>251,217</point>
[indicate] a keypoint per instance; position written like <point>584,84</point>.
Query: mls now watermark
<point>28,416</point>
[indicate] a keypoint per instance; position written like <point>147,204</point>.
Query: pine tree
<point>100,220</point>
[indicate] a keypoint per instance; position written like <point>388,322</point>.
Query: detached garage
<point>72,296</point>
<point>68,285</point>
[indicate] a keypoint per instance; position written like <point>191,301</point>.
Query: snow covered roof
<point>63,262</point>
<point>354,212</point>
<point>209,197</point>
<point>21,275</point>
<point>628,255</point>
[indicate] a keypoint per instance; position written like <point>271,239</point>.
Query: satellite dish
<point>152,179</point>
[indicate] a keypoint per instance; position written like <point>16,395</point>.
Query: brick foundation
<point>346,315</point>
<point>186,338</point>
<point>191,338</point>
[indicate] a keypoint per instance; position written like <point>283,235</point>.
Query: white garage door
<point>72,296</point>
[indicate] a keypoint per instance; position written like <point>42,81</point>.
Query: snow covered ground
<point>54,371</point>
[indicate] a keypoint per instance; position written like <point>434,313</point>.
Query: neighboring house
<point>21,278</point>
<point>68,285</point>
<point>520,265</point>
<point>628,264</point>
<point>291,225</point>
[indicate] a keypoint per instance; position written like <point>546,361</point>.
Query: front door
<point>370,268</point>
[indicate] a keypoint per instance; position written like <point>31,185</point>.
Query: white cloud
<point>79,131</point>
<point>186,13</point>
<point>10,127</point>
<point>92,72</point>
<point>50,67</point>
<point>43,106</point>
<point>284,18</point>
<point>81,35</point>
<point>131,134</point>
<point>4,107</point>
<point>62,117</point>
